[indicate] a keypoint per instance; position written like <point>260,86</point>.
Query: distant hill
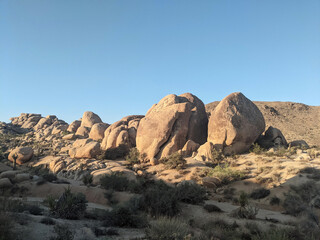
<point>296,120</point>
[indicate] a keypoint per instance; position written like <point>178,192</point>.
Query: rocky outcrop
<point>83,131</point>
<point>122,132</point>
<point>235,124</point>
<point>21,154</point>
<point>97,131</point>
<point>273,137</point>
<point>89,119</point>
<point>169,124</point>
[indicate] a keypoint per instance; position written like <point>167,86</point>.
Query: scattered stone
<point>299,144</point>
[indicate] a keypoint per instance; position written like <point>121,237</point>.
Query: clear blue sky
<point>117,58</point>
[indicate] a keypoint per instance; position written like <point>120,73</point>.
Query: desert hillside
<point>295,120</point>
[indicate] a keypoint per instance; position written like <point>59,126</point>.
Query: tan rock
<point>9,174</point>
<point>89,150</point>
<point>235,124</point>
<point>70,136</point>
<point>89,119</point>
<point>205,152</point>
<point>169,124</point>
<point>97,131</point>
<point>22,154</point>
<point>57,165</point>
<point>73,127</point>
<point>83,131</point>
<point>21,177</point>
<point>189,148</point>
<point>58,129</point>
<point>43,123</point>
<point>119,133</point>
<point>210,182</point>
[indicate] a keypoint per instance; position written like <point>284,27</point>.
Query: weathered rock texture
<point>235,124</point>
<point>84,148</point>
<point>122,132</point>
<point>73,127</point>
<point>169,124</point>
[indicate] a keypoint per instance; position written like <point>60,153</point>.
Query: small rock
<point>21,177</point>
<point>5,183</point>
<point>154,161</point>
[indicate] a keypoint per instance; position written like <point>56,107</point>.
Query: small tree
<point>15,156</point>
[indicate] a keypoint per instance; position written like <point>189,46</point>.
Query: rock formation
<point>273,137</point>
<point>122,132</point>
<point>169,124</point>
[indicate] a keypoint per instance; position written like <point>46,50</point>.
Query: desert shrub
<point>246,210</point>
<point>115,181</point>
<point>69,205</point>
<point>190,193</point>
<point>62,232</point>
<point>160,200</point>
<point>224,173</point>
<point>219,229</point>
<point>273,234</point>
<point>259,193</point>
<point>87,179</point>
<point>167,229</point>
<point>119,152</point>
<point>212,208</point>
<point>274,201</point>
<point>174,161</point>
<point>6,225</point>
<point>257,149</point>
<point>307,190</point>
<point>293,204</point>
<point>217,156</point>
<point>133,156</point>
<point>124,216</point>
<point>34,209</point>
<point>48,221</point>
<point>313,173</point>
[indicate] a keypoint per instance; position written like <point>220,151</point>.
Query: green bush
<point>259,193</point>
<point>219,229</point>
<point>115,181</point>
<point>190,193</point>
<point>160,200</point>
<point>294,205</point>
<point>224,173</point>
<point>217,156</point>
<point>119,152</point>
<point>63,233</point>
<point>167,229</point>
<point>133,156</point>
<point>87,179</point>
<point>124,216</point>
<point>174,161</point>
<point>257,149</point>
<point>34,209</point>
<point>69,205</point>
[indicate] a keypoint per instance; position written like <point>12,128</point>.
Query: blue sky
<point>118,58</point>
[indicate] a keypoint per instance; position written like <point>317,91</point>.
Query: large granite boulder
<point>84,148</point>
<point>89,119</point>
<point>235,124</point>
<point>22,154</point>
<point>122,132</point>
<point>73,127</point>
<point>97,131</point>
<point>169,124</point>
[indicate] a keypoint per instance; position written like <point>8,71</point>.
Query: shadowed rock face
<point>169,124</point>
<point>235,124</point>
